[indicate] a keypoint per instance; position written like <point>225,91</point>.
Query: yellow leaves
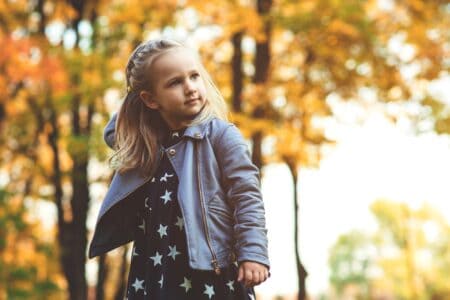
<point>416,5</point>
<point>292,147</point>
<point>17,106</point>
<point>343,28</point>
<point>78,148</point>
<point>92,78</point>
<point>289,141</point>
<point>254,95</point>
<point>291,9</point>
<point>54,73</point>
<point>231,16</point>
<point>249,125</point>
<point>137,12</point>
<point>407,260</point>
<point>307,6</point>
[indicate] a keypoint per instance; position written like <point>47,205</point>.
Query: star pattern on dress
<point>156,258</point>
<point>179,223</point>
<point>187,284</point>
<point>230,285</point>
<point>167,223</point>
<point>164,178</point>
<point>161,281</point>
<point>138,284</point>
<point>166,197</point>
<point>209,290</point>
<point>175,134</point>
<point>162,230</point>
<point>173,252</point>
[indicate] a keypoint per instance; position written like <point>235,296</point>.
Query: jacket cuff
<point>255,257</point>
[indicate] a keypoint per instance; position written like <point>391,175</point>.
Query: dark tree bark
<point>237,74</point>
<point>301,271</point>
<point>101,277</point>
<point>72,231</point>
<point>261,64</point>
<point>262,55</point>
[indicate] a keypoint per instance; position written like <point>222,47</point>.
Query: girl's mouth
<point>191,101</point>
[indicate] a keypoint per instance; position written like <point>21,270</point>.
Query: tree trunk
<point>70,262</point>
<point>262,55</point>
<point>261,64</point>
<point>237,75</point>
<point>101,276</point>
<point>301,271</point>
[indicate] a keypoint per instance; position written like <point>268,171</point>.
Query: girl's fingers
<point>240,273</point>
<point>256,277</point>
<point>266,274</point>
<point>248,277</point>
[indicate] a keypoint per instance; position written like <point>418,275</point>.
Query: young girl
<point>185,190</point>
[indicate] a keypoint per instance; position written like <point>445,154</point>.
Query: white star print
<point>153,179</point>
<point>134,252</point>
<point>156,259</point>
<point>173,252</point>
<point>142,226</point>
<point>161,281</point>
<point>230,285</point>
<point>166,197</point>
<point>251,297</point>
<point>186,284</point>
<point>164,178</point>
<point>176,134</point>
<point>209,290</point>
<point>162,230</point>
<point>179,223</point>
<point>138,285</point>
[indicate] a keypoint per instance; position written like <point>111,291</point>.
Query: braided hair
<point>139,128</point>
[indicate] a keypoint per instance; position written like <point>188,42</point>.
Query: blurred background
<point>345,106</point>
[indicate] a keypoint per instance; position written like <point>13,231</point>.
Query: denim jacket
<point>219,196</point>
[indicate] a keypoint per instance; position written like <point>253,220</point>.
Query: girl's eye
<point>195,76</point>
<point>175,82</point>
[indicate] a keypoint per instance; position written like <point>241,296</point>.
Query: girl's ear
<point>148,100</point>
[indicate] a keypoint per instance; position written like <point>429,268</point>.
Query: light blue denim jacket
<point>219,196</point>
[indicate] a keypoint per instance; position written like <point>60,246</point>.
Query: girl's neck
<point>172,126</point>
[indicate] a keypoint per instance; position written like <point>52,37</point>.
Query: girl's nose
<point>189,86</point>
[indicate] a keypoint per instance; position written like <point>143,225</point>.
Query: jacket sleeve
<point>109,131</point>
<point>242,183</point>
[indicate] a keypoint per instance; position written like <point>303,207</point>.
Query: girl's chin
<point>195,114</point>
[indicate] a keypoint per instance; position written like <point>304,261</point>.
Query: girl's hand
<point>252,273</point>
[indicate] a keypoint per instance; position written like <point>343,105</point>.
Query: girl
<point>185,190</point>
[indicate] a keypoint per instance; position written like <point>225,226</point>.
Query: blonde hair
<point>139,128</point>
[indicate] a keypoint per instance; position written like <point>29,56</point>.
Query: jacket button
<point>172,152</point>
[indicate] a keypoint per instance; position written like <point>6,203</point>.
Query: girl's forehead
<point>175,60</point>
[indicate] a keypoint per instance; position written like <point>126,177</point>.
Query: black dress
<point>159,264</point>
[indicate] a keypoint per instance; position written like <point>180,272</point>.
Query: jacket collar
<point>197,131</point>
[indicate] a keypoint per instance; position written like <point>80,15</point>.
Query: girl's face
<point>178,92</point>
